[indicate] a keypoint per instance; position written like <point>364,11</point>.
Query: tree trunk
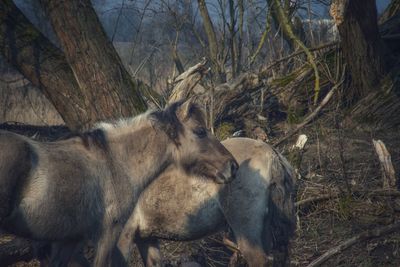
<point>287,28</point>
<point>41,63</point>
<point>275,14</point>
<point>389,28</point>
<point>361,44</point>
<point>212,43</point>
<point>47,68</point>
<point>106,86</point>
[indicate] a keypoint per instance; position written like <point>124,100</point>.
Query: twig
<point>313,200</point>
<point>311,116</point>
<point>374,233</point>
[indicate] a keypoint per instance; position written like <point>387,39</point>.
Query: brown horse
<point>258,206</point>
<point>85,187</point>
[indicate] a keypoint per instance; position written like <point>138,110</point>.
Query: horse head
<point>195,149</point>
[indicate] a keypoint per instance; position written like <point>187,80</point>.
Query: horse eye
<point>200,132</point>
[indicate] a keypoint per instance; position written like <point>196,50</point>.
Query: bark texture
<point>287,28</point>
<point>276,9</point>
<point>81,96</point>
<point>107,89</point>
<point>41,63</point>
<point>361,43</point>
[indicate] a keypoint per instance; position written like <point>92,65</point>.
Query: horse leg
<point>149,250</point>
<point>252,251</point>
<point>105,245</point>
<point>281,258</point>
<point>248,236</point>
<point>78,258</point>
<point>62,252</point>
<point>126,241</point>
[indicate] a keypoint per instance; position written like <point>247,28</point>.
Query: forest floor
<point>339,162</point>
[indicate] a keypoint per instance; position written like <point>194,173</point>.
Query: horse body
<point>66,163</point>
<point>174,210</point>
<point>256,205</point>
<point>86,187</point>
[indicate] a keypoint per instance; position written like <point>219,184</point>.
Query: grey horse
<point>258,206</point>
<point>85,187</point>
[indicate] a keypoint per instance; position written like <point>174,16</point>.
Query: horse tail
<point>15,163</point>
<point>280,219</point>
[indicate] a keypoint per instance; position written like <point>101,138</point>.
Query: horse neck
<point>141,154</point>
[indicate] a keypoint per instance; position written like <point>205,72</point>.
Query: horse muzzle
<point>228,174</point>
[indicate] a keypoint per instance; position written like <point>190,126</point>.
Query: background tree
<point>361,44</point>
<point>214,53</point>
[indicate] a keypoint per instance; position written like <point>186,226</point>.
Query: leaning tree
<point>85,79</point>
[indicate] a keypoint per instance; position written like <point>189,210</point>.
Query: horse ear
<point>184,110</point>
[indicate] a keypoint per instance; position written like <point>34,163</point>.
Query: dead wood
<point>373,233</point>
<point>304,204</point>
<point>184,84</point>
<point>388,173</point>
<point>310,117</point>
<point>295,155</point>
<point>234,99</point>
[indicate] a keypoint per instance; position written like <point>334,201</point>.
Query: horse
<point>86,186</point>
<point>258,206</point>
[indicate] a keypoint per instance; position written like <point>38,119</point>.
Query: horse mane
<point>98,135</point>
<point>165,120</point>
<point>121,124</point>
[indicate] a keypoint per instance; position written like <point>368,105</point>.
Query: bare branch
<point>374,233</point>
